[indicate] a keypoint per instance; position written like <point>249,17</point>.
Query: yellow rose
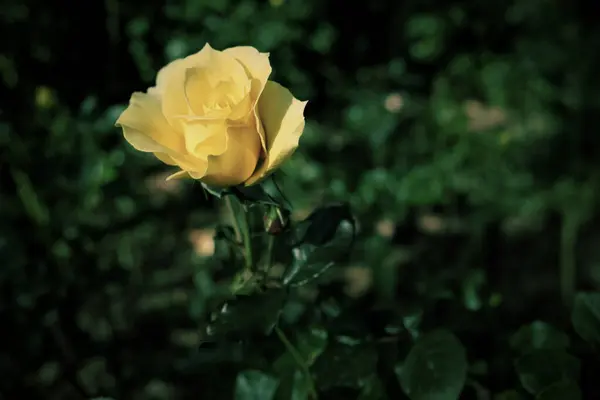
<point>217,117</point>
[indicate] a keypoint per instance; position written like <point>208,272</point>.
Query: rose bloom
<point>217,117</point>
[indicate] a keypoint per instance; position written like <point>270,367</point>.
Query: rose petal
<point>282,116</point>
<point>209,100</point>
<point>257,89</point>
<point>256,63</point>
<point>238,162</point>
<point>178,175</point>
<point>171,80</point>
<point>197,89</point>
<point>164,157</point>
<point>169,85</point>
<point>205,138</point>
<point>241,110</point>
<point>145,128</point>
<point>258,67</point>
<point>222,66</point>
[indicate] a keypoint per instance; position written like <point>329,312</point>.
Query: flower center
<point>211,95</point>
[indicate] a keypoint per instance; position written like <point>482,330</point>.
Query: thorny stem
<point>269,255</point>
<point>242,231</point>
<point>234,219</point>
<point>271,242</point>
<point>281,335</point>
<point>245,229</point>
<point>299,360</point>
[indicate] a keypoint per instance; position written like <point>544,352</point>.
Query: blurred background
<point>463,133</point>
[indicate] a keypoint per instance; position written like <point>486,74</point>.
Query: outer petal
<point>176,69</point>
<point>238,162</point>
<point>167,159</point>
<point>170,82</point>
<point>179,175</point>
<point>282,116</point>
<point>169,85</point>
<point>145,127</point>
<point>191,165</point>
<point>257,64</point>
<point>259,69</point>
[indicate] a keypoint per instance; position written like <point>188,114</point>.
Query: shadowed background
<point>464,134</point>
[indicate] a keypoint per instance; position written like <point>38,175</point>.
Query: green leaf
<point>255,385</point>
<point>247,314</point>
<point>344,365</point>
<point>312,344</point>
<point>538,335</point>
<point>252,194</point>
<point>321,226</point>
<point>323,239</point>
<point>309,345</point>
<point>544,367</point>
<point>215,191</point>
<point>562,390</point>
<point>586,317</point>
<point>294,386</point>
<point>301,389</point>
<point>435,368</point>
<point>266,192</point>
<point>310,263</point>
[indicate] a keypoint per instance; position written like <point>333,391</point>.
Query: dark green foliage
<point>586,317</point>
<point>435,368</point>
<point>254,385</point>
<point>539,369</point>
<point>437,231</point>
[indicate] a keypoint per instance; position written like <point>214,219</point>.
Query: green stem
<point>299,360</point>
<point>234,219</point>
<point>245,229</point>
<point>242,231</point>
<point>269,255</point>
